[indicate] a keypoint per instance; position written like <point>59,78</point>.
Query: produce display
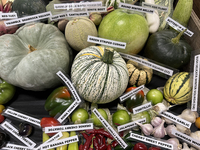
<point>98,75</point>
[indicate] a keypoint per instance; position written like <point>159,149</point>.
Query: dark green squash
<point>28,7</point>
<point>169,48</point>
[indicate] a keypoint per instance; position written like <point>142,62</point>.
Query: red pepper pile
<point>96,138</point>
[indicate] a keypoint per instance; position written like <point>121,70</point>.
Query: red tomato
<point>1,118</point>
<point>140,146</point>
<point>132,88</point>
<point>49,122</point>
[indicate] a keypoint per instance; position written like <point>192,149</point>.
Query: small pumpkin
<point>99,74</point>
<point>77,31</point>
<point>138,74</point>
<point>31,56</point>
<point>28,7</point>
<point>169,48</point>
<point>178,89</point>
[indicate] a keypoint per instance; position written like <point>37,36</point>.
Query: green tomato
<point>120,117</point>
<point>96,121</point>
<point>154,96</point>
<point>80,114</point>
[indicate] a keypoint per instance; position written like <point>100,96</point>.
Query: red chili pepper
<point>109,147</point>
<point>84,135</point>
<point>88,141</point>
<point>80,147</point>
<point>154,148</point>
<point>95,143</point>
<point>100,138</point>
<point>100,131</point>
<point>140,146</point>
<point>91,146</point>
<point>102,147</point>
<point>114,143</point>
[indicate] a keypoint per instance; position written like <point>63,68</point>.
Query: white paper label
<point>136,8</point>
<point>110,129</point>
<point>142,108</point>
<point>22,116</point>
<point>176,119</point>
<point>177,26</point>
<point>106,42</point>
<point>61,142</point>
<point>130,125</point>
<point>195,90</point>
<point>77,14</point>
<point>13,131</point>
<point>186,138</point>
<point>74,127</point>
<point>151,141</point>
<point>27,19</point>
<point>53,138</point>
<point>154,6</point>
<point>77,5</point>
<point>97,9</point>
<point>11,15</point>
<point>148,64</point>
<point>130,93</point>
<point>14,146</point>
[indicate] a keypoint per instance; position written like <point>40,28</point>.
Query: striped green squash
<point>99,74</point>
<point>178,89</point>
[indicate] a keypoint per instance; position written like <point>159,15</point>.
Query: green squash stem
<point>31,48</point>
<point>177,38</point>
<point>108,55</point>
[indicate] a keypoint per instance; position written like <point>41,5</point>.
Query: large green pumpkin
<point>99,75</point>
<point>31,57</point>
<point>131,28</point>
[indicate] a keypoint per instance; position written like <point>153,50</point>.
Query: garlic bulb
<point>156,121</point>
<point>175,143</point>
<point>167,121</point>
<point>169,129</point>
<point>183,129</point>
<point>147,129</point>
<point>160,107</point>
<point>195,135</point>
<point>159,131</point>
<point>189,115</point>
<point>185,146</point>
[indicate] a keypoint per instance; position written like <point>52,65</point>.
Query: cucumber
<point>182,12</point>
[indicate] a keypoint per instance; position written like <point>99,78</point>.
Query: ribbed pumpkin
<point>28,7</point>
<point>99,74</point>
<point>31,56</point>
<point>77,31</point>
<point>138,74</point>
<point>178,89</point>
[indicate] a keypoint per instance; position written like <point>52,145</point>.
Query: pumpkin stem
<point>176,39</point>
<point>108,55</point>
<point>31,48</point>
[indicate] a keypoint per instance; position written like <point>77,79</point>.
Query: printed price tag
<point>151,141</point>
<point>77,14</point>
<point>176,119</point>
<point>53,138</point>
<point>27,19</point>
<point>107,42</point>
<point>110,129</point>
<point>136,8</point>
<point>74,127</point>
<point>77,5</point>
<point>130,93</point>
<point>148,64</point>
<point>97,9</point>
<point>21,116</point>
<point>186,138</point>
<point>177,26</point>
<point>142,108</point>
<point>195,90</point>
<point>61,142</point>
<point>11,15</point>
<point>154,6</point>
<point>13,131</point>
<point>14,146</point>
<point>130,125</point>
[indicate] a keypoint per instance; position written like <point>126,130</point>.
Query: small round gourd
<point>138,74</point>
<point>77,31</point>
<point>178,88</point>
<point>31,56</point>
<point>99,74</point>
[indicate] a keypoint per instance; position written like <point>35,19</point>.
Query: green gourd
<point>167,47</point>
<point>31,57</point>
<point>99,74</point>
